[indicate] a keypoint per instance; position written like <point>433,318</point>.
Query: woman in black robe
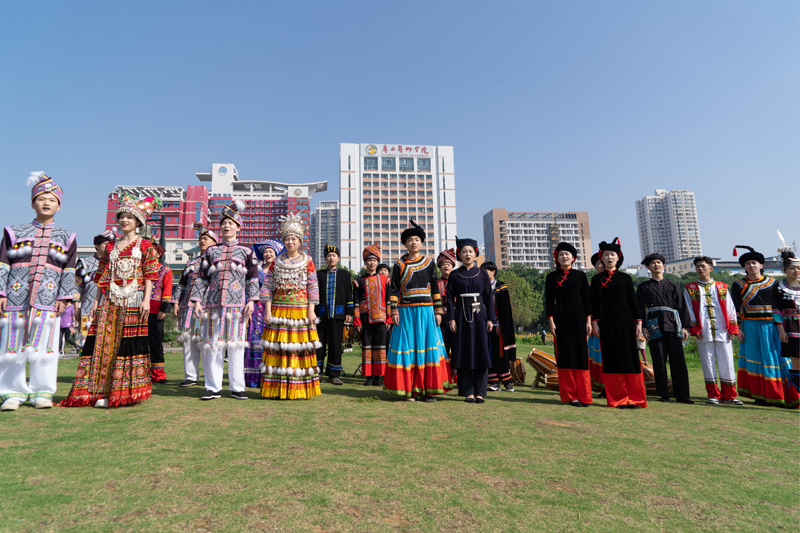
<point>470,314</point>
<point>566,303</point>
<point>617,322</point>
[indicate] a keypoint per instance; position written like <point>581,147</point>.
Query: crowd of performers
<point>278,322</point>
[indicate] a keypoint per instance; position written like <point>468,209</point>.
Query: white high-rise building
<point>668,225</point>
<point>324,230</point>
<point>382,186</point>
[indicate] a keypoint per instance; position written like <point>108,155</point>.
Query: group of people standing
<point>276,319</point>
<point>596,327</point>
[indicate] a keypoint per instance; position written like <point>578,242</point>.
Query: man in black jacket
<point>334,310</point>
<point>662,304</point>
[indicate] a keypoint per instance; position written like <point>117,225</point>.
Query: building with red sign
<point>382,186</point>
<point>266,202</point>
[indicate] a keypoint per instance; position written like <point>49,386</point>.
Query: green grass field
<point>356,459</point>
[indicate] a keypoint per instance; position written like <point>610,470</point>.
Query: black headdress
<point>412,231</point>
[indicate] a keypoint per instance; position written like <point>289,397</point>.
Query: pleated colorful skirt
<point>417,361</point>
<point>763,374</point>
<point>290,356</point>
<point>115,360</point>
<point>254,353</point>
<point>596,364</point>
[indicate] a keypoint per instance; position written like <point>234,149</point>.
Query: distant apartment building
<point>324,230</point>
<point>265,201</point>
<point>382,186</point>
<point>668,225</point>
<point>530,238</point>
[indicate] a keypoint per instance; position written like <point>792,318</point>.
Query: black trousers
<point>669,347</point>
<point>330,332</point>
<point>155,337</point>
<point>474,381</point>
<point>66,336</point>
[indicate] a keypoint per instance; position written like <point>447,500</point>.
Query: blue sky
<point>550,106</point>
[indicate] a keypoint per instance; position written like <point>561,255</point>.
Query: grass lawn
<point>355,459</point>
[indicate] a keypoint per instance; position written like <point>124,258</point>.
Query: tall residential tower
<point>668,225</point>
<point>324,230</point>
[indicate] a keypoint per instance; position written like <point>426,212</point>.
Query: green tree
<point>526,304</point>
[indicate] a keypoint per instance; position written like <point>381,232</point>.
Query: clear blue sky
<point>550,106</point>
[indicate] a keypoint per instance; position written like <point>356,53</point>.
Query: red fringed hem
<point>90,400</point>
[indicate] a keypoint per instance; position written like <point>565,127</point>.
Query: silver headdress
<point>292,225</point>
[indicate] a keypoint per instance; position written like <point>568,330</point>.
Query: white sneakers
<point>42,403</point>
<point>10,405</point>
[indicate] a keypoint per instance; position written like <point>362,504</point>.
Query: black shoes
<point>210,395</point>
<point>161,381</point>
<point>685,400</point>
<point>188,383</point>
<point>469,400</point>
<point>238,395</point>
<point>628,406</point>
<point>429,398</point>
<point>369,382</point>
<point>377,381</point>
<point>478,399</point>
<point>664,399</point>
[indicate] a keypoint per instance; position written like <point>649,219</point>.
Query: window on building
<point>388,163</point>
<point>424,165</point>
<point>370,163</point>
<point>406,164</point>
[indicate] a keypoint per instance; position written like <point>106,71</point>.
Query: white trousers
<point>34,341</point>
<point>191,359</point>
<point>722,353</point>
<point>214,355</point>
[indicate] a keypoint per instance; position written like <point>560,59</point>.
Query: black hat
<point>595,259</point>
<point>332,250</point>
<point>649,258</point>
<point>413,230</point>
<point>383,265</point>
<point>565,246</point>
<point>460,243</point>
<point>614,246</point>
<point>751,255</point>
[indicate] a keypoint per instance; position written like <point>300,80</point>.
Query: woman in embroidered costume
<point>289,293</point>
<point>763,374</point>
<point>617,322</point>
<point>372,294</point>
<point>595,355</point>
<point>786,313</point>
<point>566,303</point>
<point>266,252</point>
<point>114,367</point>
<point>417,362</point>
<point>470,317</point>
